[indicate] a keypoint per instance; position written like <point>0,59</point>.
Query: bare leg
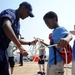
<point>12,70</point>
<point>40,67</point>
<point>43,65</point>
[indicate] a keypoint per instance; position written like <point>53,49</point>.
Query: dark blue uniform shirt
<point>12,16</point>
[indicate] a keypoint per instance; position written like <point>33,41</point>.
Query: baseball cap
<point>28,6</point>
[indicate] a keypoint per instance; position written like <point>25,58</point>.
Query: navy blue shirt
<point>12,16</point>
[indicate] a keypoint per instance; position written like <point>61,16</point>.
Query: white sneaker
<point>11,74</point>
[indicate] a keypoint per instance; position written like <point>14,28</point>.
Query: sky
<point>35,27</point>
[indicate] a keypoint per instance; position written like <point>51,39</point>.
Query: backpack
<point>69,54</point>
<point>62,52</point>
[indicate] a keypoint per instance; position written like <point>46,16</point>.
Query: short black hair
<point>50,14</point>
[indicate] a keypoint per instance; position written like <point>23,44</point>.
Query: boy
<point>61,37</point>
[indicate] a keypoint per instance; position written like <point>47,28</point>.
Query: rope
<point>66,61</point>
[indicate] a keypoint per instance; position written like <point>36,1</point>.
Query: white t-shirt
<point>10,49</point>
<point>41,49</point>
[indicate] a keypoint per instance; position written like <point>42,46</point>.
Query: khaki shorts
<point>73,67</point>
<point>57,69</point>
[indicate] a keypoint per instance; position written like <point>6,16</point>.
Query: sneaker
<point>44,72</point>
<point>11,74</point>
<point>20,65</point>
<point>39,72</point>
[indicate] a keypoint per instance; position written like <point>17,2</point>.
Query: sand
<point>31,68</point>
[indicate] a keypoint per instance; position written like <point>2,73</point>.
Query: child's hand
<point>62,43</point>
<point>34,42</point>
<point>43,58</point>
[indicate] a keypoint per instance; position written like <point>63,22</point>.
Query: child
<point>10,51</point>
<point>61,37</point>
<point>42,55</point>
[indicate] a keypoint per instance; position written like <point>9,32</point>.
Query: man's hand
<point>23,51</point>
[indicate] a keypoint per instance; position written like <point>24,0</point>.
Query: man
<point>9,31</point>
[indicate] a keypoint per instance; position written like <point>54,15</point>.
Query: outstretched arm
<point>72,32</point>
<point>44,43</point>
<point>64,41</point>
<point>7,27</point>
<point>27,43</point>
<point>41,41</point>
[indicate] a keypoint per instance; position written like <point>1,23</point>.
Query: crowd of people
<point>10,31</point>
